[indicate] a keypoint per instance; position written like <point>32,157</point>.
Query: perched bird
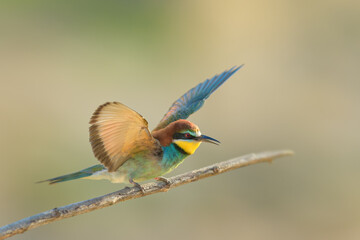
<point>128,151</point>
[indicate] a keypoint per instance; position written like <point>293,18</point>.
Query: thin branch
<point>74,209</point>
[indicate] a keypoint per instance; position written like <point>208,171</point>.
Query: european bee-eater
<point>128,151</point>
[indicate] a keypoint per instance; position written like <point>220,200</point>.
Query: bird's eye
<point>187,135</point>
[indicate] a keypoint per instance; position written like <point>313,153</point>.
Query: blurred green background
<point>299,89</point>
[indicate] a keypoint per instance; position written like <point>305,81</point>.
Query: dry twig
<point>74,209</point>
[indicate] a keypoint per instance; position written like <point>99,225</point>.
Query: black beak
<point>204,138</point>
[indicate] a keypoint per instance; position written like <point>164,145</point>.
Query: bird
<point>129,152</point>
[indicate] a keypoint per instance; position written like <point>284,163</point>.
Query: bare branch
<point>74,209</point>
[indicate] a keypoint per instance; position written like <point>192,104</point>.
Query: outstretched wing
<point>117,133</point>
<point>193,100</point>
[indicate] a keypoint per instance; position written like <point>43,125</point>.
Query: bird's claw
<point>140,187</point>
<point>165,180</point>
<point>137,185</point>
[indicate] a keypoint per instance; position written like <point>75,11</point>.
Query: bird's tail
<point>76,175</point>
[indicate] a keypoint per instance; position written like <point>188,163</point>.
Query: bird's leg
<point>165,180</point>
<point>136,185</point>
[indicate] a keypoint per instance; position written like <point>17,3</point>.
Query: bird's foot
<point>137,185</point>
<point>165,180</point>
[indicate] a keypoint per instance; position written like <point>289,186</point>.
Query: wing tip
<point>94,116</point>
<point>219,79</point>
<point>235,68</point>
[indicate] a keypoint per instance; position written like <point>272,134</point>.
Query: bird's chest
<point>172,158</point>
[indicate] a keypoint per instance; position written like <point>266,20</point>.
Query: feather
<point>117,133</point>
<point>194,99</point>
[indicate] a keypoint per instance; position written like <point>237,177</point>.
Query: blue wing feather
<point>194,99</point>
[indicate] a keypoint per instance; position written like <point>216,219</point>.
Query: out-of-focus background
<point>299,90</point>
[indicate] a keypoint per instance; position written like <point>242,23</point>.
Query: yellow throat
<point>187,145</point>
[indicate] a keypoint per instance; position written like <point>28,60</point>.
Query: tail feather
<point>76,175</point>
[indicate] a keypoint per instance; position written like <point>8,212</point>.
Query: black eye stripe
<point>182,136</point>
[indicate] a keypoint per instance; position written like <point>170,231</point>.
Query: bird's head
<point>188,137</point>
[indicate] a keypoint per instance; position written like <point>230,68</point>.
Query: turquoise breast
<point>173,156</point>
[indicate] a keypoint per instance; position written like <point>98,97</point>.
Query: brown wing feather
<point>117,133</point>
